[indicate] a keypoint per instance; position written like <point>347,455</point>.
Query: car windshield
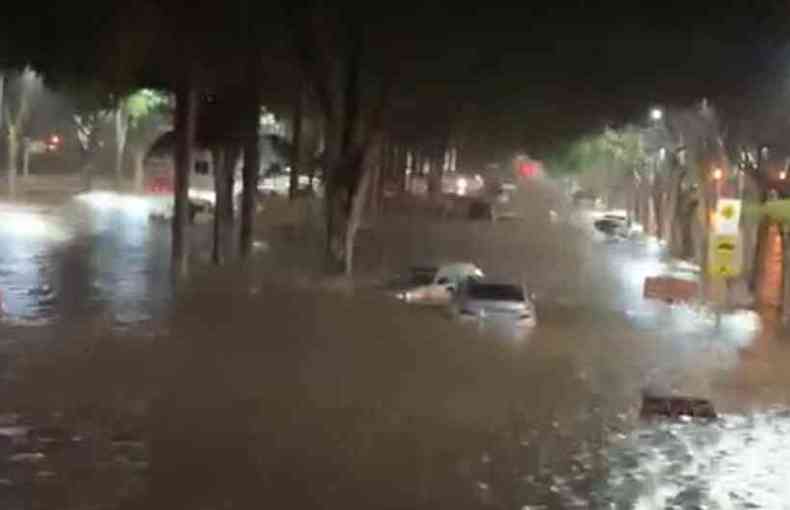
<point>496,292</point>
<point>422,275</point>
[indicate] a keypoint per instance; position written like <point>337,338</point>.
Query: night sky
<point>546,73</point>
<point>534,76</point>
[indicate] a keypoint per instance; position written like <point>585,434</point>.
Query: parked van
<point>160,180</point>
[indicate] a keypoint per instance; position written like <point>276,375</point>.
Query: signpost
<point>724,256</point>
<point>728,216</point>
<point>724,244</point>
<point>724,247</point>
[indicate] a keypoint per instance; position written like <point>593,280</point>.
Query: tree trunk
<point>633,200</point>
<point>234,200</point>
<point>378,180</point>
<point>671,215</point>
<point>355,219</point>
<point>2,95</point>
<point>647,204</point>
<point>642,204</point>
<point>297,157</point>
<point>707,204</point>
<point>224,163</point>
<point>26,157</point>
<point>336,204</point>
<point>121,128</point>
<point>220,195</point>
<point>335,201</point>
<point>658,206</point>
<point>785,274</point>
<point>399,158</point>
<point>13,157</point>
<point>185,128</point>
<point>138,162</point>
<point>759,251</point>
<point>437,173</point>
<point>686,231</point>
<point>433,170</point>
<point>252,164</point>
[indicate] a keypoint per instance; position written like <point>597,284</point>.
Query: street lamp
<point>718,174</point>
<point>656,114</point>
<point>783,175</point>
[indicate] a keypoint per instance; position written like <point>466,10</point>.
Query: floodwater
<point>246,389</point>
<point>96,256</point>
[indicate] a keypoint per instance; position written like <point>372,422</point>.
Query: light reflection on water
<point>737,462</point>
<point>84,259</point>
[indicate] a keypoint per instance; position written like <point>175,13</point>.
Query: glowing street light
<point>718,174</point>
<point>783,175</point>
<point>656,114</point>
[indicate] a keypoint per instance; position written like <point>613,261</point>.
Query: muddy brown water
<point>259,385</point>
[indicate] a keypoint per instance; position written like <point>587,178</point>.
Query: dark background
<point>521,79</point>
<point>547,72</point>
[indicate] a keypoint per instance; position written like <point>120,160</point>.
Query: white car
<point>280,183</point>
<point>437,285</point>
<point>614,224</point>
<point>201,183</point>
<point>499,306</point>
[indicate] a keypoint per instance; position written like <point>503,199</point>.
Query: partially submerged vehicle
<point>497,305</point>
<point>435,285</point>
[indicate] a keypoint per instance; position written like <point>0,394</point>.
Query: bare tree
<point>298,145</point>
<point>120,119</point>
<point>185,128</point>
<point>21,94</point>
<point>252,159</point>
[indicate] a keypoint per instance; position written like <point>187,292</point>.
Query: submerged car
<point>436,285</point>
<point>498,305</point>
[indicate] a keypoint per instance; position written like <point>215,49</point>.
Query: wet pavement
<point>101,260</point>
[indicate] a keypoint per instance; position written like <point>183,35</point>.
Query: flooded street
<point>88,258</point>
<point>282,373</point>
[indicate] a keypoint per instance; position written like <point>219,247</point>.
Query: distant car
<point>161,178</point>
<point>279,183</point>
<point>436,285</point>
<point>614,225</point>
<point>496,305</point>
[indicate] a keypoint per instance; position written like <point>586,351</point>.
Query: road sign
<point>728,216</point>
<point>724,255</point>
<point>667,288</point>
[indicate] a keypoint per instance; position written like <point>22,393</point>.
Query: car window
<point>495,292</point>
